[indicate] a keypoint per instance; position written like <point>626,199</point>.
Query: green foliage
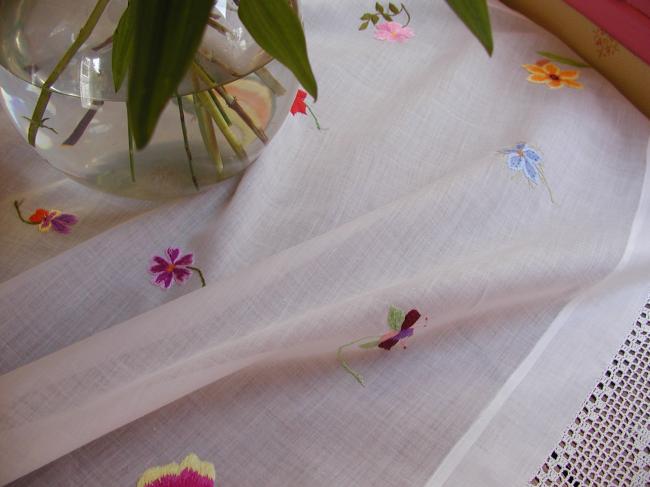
<point>277,29</point>
<point>166,36</point>
<point>474,13</point>
<point>395,318</point>
<point>563,60</point>
<point>122,47</point>
<point>387,13</point>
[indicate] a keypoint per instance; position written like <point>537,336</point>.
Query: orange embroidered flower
<point>552,76</point>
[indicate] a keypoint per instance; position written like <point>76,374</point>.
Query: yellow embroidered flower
<point>550,75</point>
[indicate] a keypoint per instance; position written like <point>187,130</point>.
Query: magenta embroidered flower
<point>393,32</point>
<point>401,327</point>
<point>48,219</point>
<point>172,269</point>
<point>191,472</point>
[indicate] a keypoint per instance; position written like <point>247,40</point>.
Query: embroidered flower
<point>528,160</point>
<point>192,472</point>
<point>401,327</point>
<point>393,337</point>
<point>300,106</point>
<point>173,269</point>
<point>550,75</point>
<point>392,32</point>
<point>48,219</point>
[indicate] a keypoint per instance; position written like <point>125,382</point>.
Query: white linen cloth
<point>403,199</point>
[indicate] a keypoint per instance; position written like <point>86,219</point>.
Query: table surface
<point>411,196</point>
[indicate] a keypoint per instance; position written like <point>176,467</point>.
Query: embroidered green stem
<point>17,206</point>
<point>548,188</point>
<point>198,271</point>
<point>129,133</point>
<point>345,365</point>
<point>408,15</point>
<point>313,116</point>
<point>44,96</point>
<point>181,115</point>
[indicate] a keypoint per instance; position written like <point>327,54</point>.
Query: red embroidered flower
<point>39,215</point>
<point>299,105</point>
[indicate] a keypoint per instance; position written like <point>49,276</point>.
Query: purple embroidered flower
<point>48,219</point>
<point>172,269</point>
<point>57,221</point>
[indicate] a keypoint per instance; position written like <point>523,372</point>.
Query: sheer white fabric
<point>403,199</point>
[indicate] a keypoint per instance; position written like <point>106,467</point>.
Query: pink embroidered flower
<point>393,32</point>
<point>192,472</point>
<point>173,270</point>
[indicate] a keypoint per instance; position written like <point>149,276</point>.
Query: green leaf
<point>122,47</point>
<point>166,36</point>
<point>379,8</point>
<point>374,19</point>
<point>364,26</point>
<point>277,29</point>
<point>387,17</point>
<point>395,318</point>
<point>371,344</point>
<point>474,13</point>
<point>393,8</point>
<point>563,60</point>
<point>366,16</point>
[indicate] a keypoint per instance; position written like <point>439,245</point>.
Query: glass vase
<point>230,104</point>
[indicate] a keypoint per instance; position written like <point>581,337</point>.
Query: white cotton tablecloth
<point>403,199</point>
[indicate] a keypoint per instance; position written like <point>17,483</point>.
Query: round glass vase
<point>231,102</point>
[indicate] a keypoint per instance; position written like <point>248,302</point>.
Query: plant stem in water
<point>207,102</point>
<point>234,105</point>
<point>44,96</point>
<point>83,124</point>
<point>185,141</point>
<point>207,134</point>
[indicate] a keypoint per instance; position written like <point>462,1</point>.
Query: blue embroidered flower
<point>524,158</point>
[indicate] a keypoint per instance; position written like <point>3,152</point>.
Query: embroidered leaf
<point>563,60</point>
<point>379,8</point>
<point>393,8</point>
<point>395,318</point>
<point>371,344</point>
<point>167,34</point>
<point>364,26</point>
<point>122,47</point>
<point>374,19</point>
<point>277,29</point>
<point>474,13</point>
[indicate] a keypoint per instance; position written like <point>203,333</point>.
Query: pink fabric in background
<point>642,5</point>
<point>624,21</point>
